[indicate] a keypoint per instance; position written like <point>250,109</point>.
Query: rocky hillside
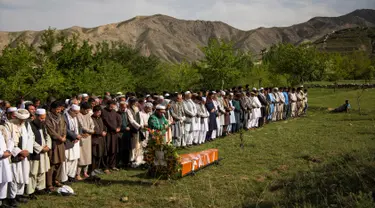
<point>347,40</point>
<point>176,40</point>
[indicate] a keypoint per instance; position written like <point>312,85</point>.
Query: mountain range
<point>176,40</point>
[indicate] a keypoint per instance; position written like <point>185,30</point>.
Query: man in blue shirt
<point>286,104</point>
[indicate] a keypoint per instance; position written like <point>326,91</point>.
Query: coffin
<point>195,161</point>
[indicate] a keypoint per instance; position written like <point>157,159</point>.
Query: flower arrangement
<point>161,157</point>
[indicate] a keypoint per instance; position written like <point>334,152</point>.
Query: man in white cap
<point>300,98</point>
<point>293,102</point>
<point>85,98</point>
<point>222,111</point>
<point>10,113</point>
<point>72,144</point>
<point>191,112</point>
<point>157,121</point>
<point>21,141</point>
<point>178,114</point>
<point>6,172</point>
<point>203,114</point>
<point>39,160</point>
<point>255,112</point>
<point>87,125</point>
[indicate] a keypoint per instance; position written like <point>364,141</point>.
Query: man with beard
<point>39,160</point>
<point>87,126</point>
<point>135,127</point>
<point>31,108</point>
<point>157,121</point>
<point>191,112</point>
<point>21,141</point>
<point>56,128</point>
<point>112,122</point>
<point>124,138</point>
<point>99,150</point>
<point>178,114</point>
<point>6,172</point>
<point>72,143</point>
<point>263,100</point>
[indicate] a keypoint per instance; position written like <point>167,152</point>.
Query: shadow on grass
<point>349,181</point>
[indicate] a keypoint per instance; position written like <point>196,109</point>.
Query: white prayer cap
<point>166,95</point>
<point>204,99</point>
<point>11,109</point>
<point>160,107</point>
<point>147,95</point>
<point>214,92</point>
<point>67,101</point>
<point>40,111</point>
<point>255,89</point>
<point>123,103</point>
<point>75,107</point>
<point>276,88</point>
<point>85,95</point>
<point>231,93</point>
<point>222,92</point>
<point>161,97</point>
<point>149,105</point>
<point>119,93</point>
<point>261,89</point>
<point>22,114</point>
<point>187,92</point>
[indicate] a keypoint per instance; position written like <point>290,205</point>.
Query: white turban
<point>75,107</point>
<point>149,105</point>
<point>160,107</point>
<point>22,114</point>
<point>40,111</point>
<point>11,109</point>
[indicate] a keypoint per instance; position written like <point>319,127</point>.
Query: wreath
<point>161,157</point>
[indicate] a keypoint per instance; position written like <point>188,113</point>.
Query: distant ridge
<point>176,40</point>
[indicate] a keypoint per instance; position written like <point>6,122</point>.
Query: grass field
<point>342,82</point>
<point>321,160</point>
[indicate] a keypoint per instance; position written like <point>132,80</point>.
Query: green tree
<point>300,63</point>
<point>222,63</point>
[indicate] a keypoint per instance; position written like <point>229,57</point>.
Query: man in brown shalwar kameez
<point>56,128</point>
<point>112,122</point>
<point>99,151</point>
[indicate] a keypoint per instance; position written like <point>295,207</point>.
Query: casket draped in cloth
<point>194,161</point>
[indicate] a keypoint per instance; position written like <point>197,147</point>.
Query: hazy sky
<point>18,15</point>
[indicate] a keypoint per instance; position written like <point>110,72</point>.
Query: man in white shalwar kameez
<point>72,144</point>
<point>21,141</point>
<point>197,120</point>
<point>203,114</point>
<point>190,125</point>
<point>293,102</point>
<point>6,172</point>
<point>221,108</point>
<point>281,106</point>
<point>216,133</point>
<point>39,160</point>
<point>255,112</point>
